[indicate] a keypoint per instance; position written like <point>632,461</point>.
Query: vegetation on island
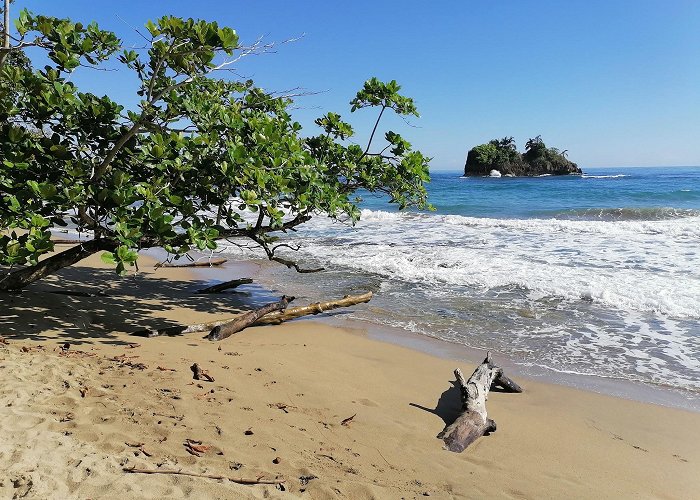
<point>502,155</point>
<point>203,157</point>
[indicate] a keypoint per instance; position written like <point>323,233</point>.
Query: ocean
<point>593,276</point>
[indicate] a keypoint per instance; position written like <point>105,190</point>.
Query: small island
<point>500,157</point>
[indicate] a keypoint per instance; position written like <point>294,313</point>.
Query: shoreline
<point>616,387</point>
<point>75,417</point>
<point>619,388</point>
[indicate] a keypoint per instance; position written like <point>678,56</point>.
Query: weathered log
<point>506,383</point>
<point>225,285</point>
<point>473,422</point>
<point>273,318</point>
<point>315,308</point>
<point>196,263</point>
<point>247,319</point>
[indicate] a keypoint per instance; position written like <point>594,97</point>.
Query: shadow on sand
<point>128,304</point>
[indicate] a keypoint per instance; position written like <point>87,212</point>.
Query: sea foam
<point>635,265</point>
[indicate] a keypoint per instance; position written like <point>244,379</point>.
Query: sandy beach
<point>74,416</point>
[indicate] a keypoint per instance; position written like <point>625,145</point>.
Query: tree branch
<point>376,124</point>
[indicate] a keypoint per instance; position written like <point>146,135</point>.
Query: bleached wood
<point>473,422</point>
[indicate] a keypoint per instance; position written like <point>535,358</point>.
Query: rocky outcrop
<point>502,156</point>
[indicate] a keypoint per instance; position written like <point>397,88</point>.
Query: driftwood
<point>179,330</point>
<point>196,263</point>
<point>225,285</point>
<point>315,308</point>
<point>247,319</point>
<point>67,242</point>
<point>208,476</point>
<point>272,318</point>
<point>506,384</point>
<point>474,422</point>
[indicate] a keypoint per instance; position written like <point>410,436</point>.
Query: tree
<point>202,158</point>
<point>502,155</point>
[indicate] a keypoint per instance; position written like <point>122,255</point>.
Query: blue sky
<point>615,82</point>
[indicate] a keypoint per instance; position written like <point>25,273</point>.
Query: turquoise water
<point>595,275</point>
<point>601,193</point>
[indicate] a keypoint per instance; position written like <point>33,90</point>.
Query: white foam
<point>629,265</point>
<point>617,176</point>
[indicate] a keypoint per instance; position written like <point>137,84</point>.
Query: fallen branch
<point>208,476</point>
<point>474,422</point>
<point>315,308</point>
<point>273,318</point>
<point>225,285</point>
<point>197,263</point>
<point>247,319</point>
<point>179,330</point>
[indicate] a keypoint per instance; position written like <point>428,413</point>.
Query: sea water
<point>596,275</point>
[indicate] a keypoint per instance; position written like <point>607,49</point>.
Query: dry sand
<point>71,420</point>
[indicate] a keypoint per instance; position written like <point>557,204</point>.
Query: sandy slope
<point>291,386</point>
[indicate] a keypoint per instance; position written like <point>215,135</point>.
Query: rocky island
<point>501,157</point>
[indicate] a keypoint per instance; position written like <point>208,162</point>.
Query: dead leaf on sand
<point>195,448</point>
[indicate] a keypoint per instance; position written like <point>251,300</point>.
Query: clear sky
<point>616,82</point>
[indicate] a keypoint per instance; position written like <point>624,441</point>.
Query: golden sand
<point>73,419</point>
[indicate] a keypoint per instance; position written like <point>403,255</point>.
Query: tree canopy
<point>203,157</point>
<point>503,156</point>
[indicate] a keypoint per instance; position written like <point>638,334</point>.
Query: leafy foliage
<point>201,158</point>
<point>503,156</point>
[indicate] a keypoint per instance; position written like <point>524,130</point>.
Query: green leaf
<point>15,134</point>
<point>152,28</point>
<point>108,258</point>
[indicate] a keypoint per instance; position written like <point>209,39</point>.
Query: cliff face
<point>502,156</point>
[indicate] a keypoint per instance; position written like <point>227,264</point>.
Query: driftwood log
<point>474,422</point>
<point>196,263</point>
<point>278,317</point>
<point>226,285</point>
<point>272,318</point>
<point>247,319</point>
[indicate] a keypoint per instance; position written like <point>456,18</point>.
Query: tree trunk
<point>473,422</point>
<point>5,33</point>
<point>16,280</point>
<point>225,285</point>
<point>245,320</point>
